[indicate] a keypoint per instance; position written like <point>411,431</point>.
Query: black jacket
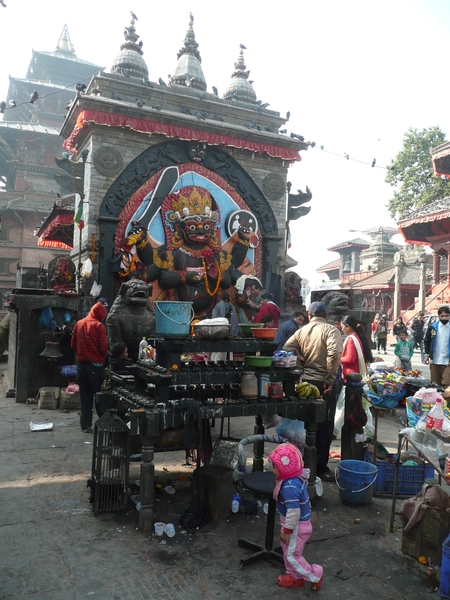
<point>417,327</point>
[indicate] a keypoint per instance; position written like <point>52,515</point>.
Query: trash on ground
<point>41,426</point>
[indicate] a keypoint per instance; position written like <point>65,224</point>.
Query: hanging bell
<point>51,350</point>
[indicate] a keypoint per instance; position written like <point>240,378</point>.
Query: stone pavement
<point>52,548</point>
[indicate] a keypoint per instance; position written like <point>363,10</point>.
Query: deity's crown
<point>196,204</point>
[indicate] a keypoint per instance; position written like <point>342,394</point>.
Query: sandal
<point>316,586</point>
<point>288,581</point>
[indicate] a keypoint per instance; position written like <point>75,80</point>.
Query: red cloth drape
<point>172,131</point>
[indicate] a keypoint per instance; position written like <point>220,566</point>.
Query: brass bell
<point>51,350</point>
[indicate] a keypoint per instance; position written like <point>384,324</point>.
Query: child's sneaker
<point>288,581</point>
<point>316,586</point>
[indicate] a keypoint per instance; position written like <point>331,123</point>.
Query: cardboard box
<point>69,401</point>
<point>426,537</point>
<point>49,398</point>
<point>284,362</point>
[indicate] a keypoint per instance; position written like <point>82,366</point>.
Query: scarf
<point>359,352</point>
<point>304,476</point>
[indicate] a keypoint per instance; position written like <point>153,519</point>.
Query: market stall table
<point>162,392</point>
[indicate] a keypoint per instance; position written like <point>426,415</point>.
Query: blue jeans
<point>90,379</point>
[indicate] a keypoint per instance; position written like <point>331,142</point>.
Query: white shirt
<point>440,351</point>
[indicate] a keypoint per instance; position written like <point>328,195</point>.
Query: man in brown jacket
<point>319,344</point>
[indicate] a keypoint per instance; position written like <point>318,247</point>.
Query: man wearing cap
<point>320,345</point>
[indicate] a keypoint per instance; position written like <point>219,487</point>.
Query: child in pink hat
<point>291,494</point>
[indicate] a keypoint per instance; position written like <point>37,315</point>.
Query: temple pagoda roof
<point>356,243</point>
<point>29,127</point>
<point>427,222</point>
<point>410,275</point>
<point>331,266</point>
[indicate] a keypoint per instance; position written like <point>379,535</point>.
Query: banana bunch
<point>307,390</point>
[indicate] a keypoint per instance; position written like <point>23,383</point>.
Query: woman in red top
<point>356,353</point>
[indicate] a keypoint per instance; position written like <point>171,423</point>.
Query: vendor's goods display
<point>307,390</point>
<point>284,359</point>
<point>385,385</point>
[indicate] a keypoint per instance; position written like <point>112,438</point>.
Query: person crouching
<point>291,494</point>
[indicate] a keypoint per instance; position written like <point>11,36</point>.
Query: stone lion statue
<point>131,316</point>
<point>337,303</point>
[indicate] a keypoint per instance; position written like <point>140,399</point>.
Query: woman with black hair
<point>355,356</point>
<point>357,352</point>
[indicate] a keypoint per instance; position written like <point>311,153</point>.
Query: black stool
<point>262,484</point>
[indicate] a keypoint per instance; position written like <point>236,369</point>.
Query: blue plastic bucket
<point>444,586</point>
<point>173,319</point>
<point>356,482</point>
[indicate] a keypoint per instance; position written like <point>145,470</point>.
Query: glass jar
<point>249,386</point>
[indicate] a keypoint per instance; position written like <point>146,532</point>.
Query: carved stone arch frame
<point>178,152</point>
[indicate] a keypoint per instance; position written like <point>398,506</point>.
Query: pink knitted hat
<point>288,460</point>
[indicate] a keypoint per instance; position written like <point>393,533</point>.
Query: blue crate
<point>410,478</point>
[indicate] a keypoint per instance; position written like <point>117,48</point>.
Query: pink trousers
<point>294,562</point>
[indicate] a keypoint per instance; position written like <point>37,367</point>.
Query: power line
<point>346,156</point>
<point>33,99</point>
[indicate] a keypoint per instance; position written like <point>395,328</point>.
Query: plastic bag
<point>47,319</point>
<point>86,270</point>
<point>73,388</point>
<point>95,289</point>
<point>339,415</point>
<point>427,395</point>
<point>369,428</point>
<point>271,420</point>
<point>293,430</point>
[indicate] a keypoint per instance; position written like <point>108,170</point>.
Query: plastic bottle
<point>435,416</point>
<point>266,508</point>
<point>234,506</point>
<point>435,419</point>
<point>142,347</point>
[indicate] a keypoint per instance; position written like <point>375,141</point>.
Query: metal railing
<point>430,291</point>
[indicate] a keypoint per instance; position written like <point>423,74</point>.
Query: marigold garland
<point>205,275</point>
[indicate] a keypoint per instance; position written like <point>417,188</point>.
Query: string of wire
<point>71,85</point>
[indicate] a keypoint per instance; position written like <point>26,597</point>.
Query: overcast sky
<point>355,75</point>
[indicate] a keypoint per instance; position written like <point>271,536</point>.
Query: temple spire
<point>64,44</point>
<point>189,71</point>
<point>129,61</point>
<point>240,88</point>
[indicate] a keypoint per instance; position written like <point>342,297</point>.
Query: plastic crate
<point>410,478</point>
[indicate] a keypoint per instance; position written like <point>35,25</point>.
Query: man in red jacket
<point>90,343</point>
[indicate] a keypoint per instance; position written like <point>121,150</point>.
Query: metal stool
<point>262,484</point>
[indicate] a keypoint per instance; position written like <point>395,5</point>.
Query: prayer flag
<point>78,216</point>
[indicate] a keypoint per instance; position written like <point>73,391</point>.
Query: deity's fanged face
<point>190,214</point>
<point>196,229</point>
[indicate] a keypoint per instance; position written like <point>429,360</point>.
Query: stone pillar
<point>397,289</point>
<point>436,263</point>
<point>423,259</point>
